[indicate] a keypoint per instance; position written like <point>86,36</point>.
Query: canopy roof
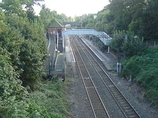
<point>55,24</point>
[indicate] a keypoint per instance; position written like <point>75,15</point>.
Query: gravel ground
<point>80,107</point>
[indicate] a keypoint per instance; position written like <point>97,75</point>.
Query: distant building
<point>55,32</point>
<point>55,28</point>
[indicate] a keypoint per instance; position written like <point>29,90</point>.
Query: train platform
<point>68,51</point>
<point>109,59</point>
<point>59,64</point>
<point>54,64</point>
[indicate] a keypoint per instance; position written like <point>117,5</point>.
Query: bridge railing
<point>105,38</point>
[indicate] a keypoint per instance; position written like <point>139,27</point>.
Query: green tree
<point>123,43</point>
<point>11,7</point>
<point>23,37</point>
<point>149,25</point>
<point>117,42</point>
<point>12,93</point>
<point>22,51</point>
<point>135,9</point>
<point>121,15</point>
<point>88,21</point>
<point>133,45</point>
<point>143,70</point>
<point>103,20</point>
<point>46,16</point>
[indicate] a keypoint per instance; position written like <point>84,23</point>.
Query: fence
<point>151,43</point>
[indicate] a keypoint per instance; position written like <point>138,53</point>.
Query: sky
<point>74,7</point>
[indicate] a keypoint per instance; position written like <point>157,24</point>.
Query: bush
<point>51,96</point>
<point>144,70</point>
<point>127,44</point>
<point>16,102</point>
<point>12,94</point>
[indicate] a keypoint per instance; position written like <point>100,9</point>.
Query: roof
<point>55,24</point>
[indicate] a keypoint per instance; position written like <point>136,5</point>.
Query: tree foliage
<point>22,52</point>
<point>47,16</point>
<point>144,69</point>
<point>123,43</point>
<point>138,16</point>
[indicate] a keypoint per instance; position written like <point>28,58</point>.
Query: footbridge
<point>101,35</point>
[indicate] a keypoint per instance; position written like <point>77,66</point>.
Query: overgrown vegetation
<point>126,44</point>
<point>51,98</point>
<point>139,63</point>
<point>22,52</point>
<point>47,16</point>
<point>143,69</point>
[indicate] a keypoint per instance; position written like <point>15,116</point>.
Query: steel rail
<point>125,106</point>
<point>98,109</point>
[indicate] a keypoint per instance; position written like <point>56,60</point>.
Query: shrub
<point>144,70</point>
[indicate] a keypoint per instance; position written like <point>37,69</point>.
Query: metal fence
<point>151,43</point>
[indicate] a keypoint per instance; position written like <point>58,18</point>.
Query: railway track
<point>82,52</point>
<point>97,105</point>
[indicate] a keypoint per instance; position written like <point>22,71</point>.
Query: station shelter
<point>54,31</point>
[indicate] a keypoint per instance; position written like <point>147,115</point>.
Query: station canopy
<point>55,24</point>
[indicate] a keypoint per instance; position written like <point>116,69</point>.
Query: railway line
<point>99,86</point>
<point>97,105</point>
